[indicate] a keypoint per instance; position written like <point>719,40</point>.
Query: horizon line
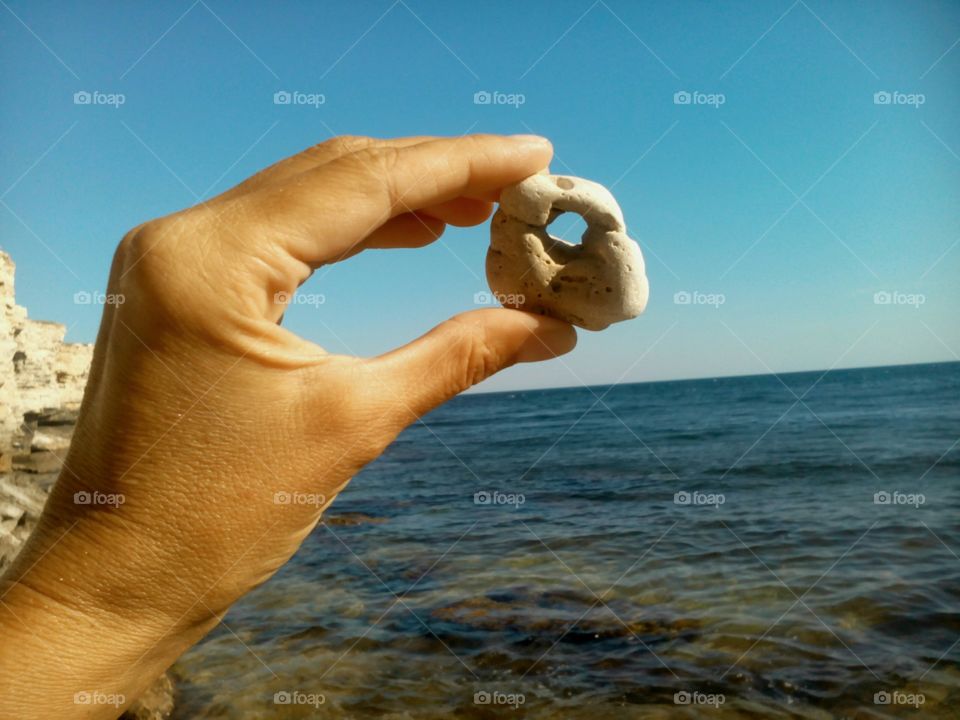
<point>824,371</point>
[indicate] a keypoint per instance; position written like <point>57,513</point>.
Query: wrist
<point>83,657</point>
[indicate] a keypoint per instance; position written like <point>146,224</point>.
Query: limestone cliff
<point>40,375</point>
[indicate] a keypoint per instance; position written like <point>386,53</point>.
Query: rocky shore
<point>41,385</point>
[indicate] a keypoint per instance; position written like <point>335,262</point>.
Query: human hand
<point>201,407</point>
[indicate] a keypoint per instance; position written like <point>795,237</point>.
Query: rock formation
<point>41,381</point>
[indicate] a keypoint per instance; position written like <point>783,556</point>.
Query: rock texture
<point>40,375</point>
<point>593,284</point>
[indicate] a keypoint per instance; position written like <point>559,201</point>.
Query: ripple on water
<point>796,598</point>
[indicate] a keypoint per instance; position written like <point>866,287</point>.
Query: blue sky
<point>794,201</point>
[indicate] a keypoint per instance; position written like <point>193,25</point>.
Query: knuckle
<point>151,258</point>
<point>380,161</point>
<point>146,244</point>
<point>136,245</point>
<point>141,255</point>
<point>477,358</point>
<point>342,144</point>
<point>379,165</point>
<point>387,156</point>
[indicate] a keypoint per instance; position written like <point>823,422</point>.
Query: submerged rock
<point>562,616</point>
<point>351,519</point>
<point>155,704</point>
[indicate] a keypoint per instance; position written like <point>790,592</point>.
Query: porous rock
<point>593,284</point>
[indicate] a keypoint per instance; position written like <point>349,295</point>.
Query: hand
<point>201,407</point>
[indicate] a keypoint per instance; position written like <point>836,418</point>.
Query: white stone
<point>593,284</point>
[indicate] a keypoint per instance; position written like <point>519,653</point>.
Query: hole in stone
<point>564,183</point>
<point>569,226</point>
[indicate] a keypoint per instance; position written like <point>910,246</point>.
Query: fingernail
<point>532,140</point>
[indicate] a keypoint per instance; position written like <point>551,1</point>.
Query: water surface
<point>717,541</point>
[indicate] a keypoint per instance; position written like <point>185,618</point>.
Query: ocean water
<point>744,547</point>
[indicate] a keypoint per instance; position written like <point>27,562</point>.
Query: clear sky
<point>783,188</point>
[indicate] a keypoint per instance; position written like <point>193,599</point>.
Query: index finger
<point>322,213</point>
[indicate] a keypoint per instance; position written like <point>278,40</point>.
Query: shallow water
<point>792,594</point>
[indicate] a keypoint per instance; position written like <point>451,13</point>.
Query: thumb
<point>461,352</point>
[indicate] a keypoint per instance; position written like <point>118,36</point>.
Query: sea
<point>747,547</point>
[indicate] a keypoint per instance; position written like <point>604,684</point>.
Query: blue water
<point>586,588</point>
